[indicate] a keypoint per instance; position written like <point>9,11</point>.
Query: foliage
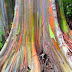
<point>1,45</point>
<point>67,4</point>
<point>2,39</point>
<point>11,25</point>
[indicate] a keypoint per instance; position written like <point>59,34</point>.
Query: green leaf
<point>1,45</point>
<point>1,32</point>
<point>68,13</point>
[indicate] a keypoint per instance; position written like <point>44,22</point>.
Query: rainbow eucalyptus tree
<point>4,29</point>
<point>6,16</point>
<point>37,42</point>
<point>10,11</point>
<point>3,19</point>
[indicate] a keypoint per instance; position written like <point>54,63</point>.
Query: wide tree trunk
<point>36,42</point>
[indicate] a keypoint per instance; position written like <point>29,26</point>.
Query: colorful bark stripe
<point>36,42</point>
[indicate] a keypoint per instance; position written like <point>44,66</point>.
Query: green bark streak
<point>51,33</point>
<point>64,25</point>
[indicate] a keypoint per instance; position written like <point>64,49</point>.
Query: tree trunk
<point>10,4</point>
<point>6,16</point>
<point>35,42</point>
<point>2,32</point>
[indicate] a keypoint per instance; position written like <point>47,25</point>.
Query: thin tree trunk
<point>2,32</point>
<point>5,18</point>
<point>10,4</point>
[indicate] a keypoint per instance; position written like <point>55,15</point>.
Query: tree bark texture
<point>36,42</point>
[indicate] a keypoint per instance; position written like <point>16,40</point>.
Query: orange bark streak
<point>51,18</point>
<point>56,45</point>
<point>20,41</point>
<point>35,58</point>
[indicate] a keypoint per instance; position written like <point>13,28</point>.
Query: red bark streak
<point>20,41</point>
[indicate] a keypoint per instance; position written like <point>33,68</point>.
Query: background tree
<point>6,18</point>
